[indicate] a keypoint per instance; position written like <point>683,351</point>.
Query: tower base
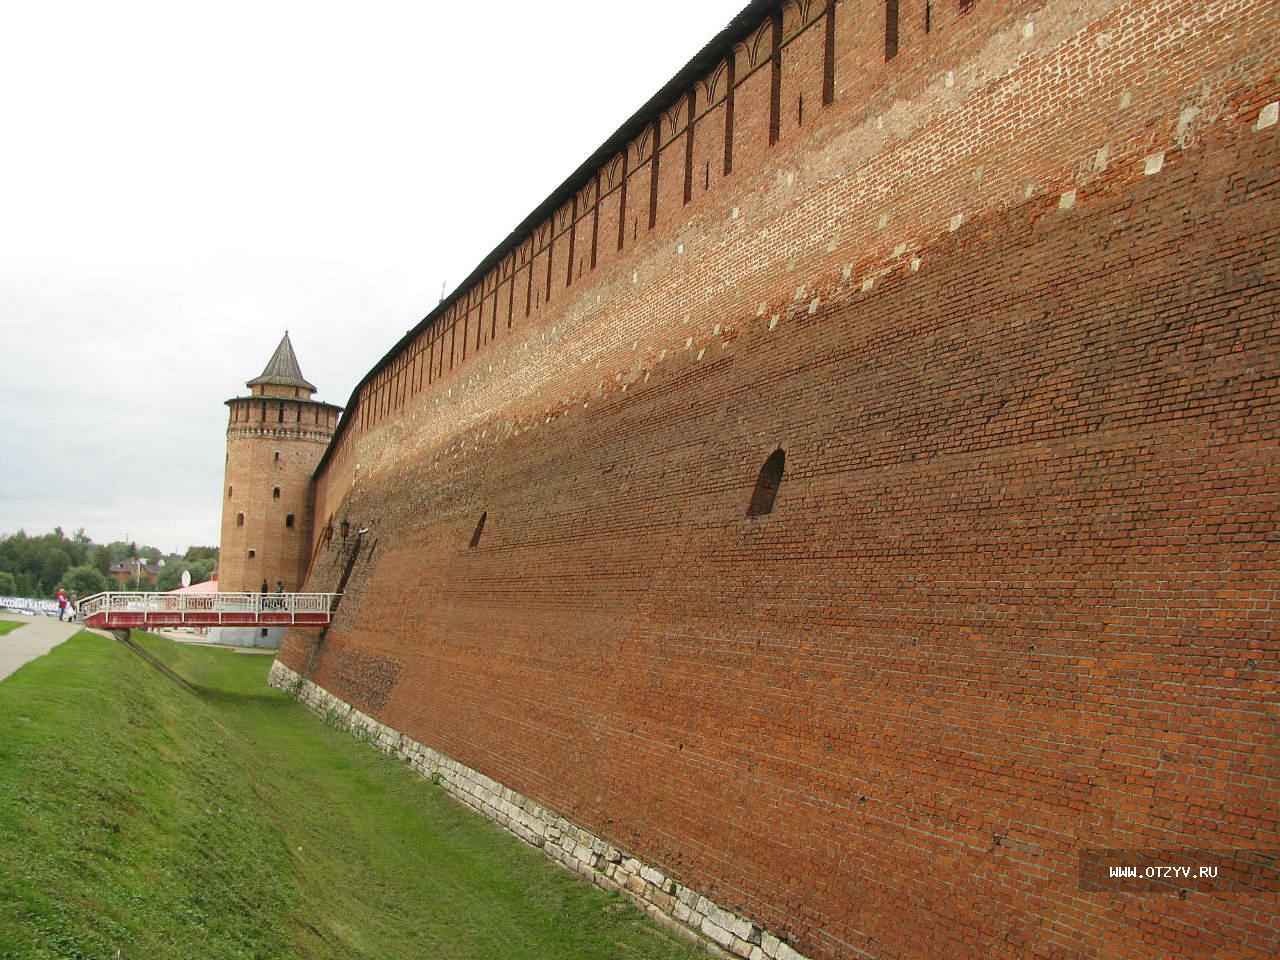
<point>267,637</point>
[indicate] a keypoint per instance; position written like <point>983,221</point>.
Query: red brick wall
<point>1018,595</point>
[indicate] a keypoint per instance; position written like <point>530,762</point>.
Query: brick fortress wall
<point>1007,300</point>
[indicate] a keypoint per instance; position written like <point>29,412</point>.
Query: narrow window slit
<point>767,485</point>
<point>891,29</point>
<point>475,536</point>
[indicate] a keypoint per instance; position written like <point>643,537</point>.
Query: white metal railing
<point>201,606</point>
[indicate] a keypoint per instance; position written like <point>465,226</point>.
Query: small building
<point>134,571</point>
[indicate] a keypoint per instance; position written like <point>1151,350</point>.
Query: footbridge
<point>141,611</point>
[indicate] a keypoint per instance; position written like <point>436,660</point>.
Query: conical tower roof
<point>282,369</point>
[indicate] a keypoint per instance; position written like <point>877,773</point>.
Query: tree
<point>100,558</point>
<point>170,577</point>
<point>54,562</point>
<point>84,580</point>
<point>8,585</point>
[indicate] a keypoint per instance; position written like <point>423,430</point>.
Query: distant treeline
<point>40,566</point>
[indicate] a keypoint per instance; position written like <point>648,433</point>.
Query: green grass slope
<point>139,820</point>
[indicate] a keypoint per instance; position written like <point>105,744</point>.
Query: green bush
<point>84,580</point>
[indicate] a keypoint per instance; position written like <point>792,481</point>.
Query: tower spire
<point>282,369</point>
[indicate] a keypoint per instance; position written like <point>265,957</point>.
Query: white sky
<point>181,182</point>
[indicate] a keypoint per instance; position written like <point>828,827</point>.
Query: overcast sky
<point>180,183</point>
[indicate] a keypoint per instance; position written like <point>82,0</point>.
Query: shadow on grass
<point>258,698</point>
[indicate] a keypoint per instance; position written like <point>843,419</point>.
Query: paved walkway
<point>35,638</point>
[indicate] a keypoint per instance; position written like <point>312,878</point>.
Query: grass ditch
<point>141,820</point>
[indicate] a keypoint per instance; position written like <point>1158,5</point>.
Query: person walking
<point>62,604</point>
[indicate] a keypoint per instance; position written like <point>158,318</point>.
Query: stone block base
<point>267,637</point>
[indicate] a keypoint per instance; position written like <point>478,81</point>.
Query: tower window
<point>475,537</point>
<point>288,521</point>
<point>239,519</point>
<point>277,454</point>
<point>767,485</point>
<point>275,493</point>
<point>252,554</point>
<point>891,32</point>
<point>229,492</point>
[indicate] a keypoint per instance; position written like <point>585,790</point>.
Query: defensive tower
<point>275,438</point>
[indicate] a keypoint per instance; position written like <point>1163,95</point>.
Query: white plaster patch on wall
<point>1268,115</point>
<point>664,899</point>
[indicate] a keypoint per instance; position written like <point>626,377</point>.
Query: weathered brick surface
<point>1009,306</point>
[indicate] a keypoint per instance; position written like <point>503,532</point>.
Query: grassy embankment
<point>138,820</point>
<point>7,626</point>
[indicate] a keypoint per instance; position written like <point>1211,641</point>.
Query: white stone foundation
<point>266,637</point>
<point>673,905</point>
